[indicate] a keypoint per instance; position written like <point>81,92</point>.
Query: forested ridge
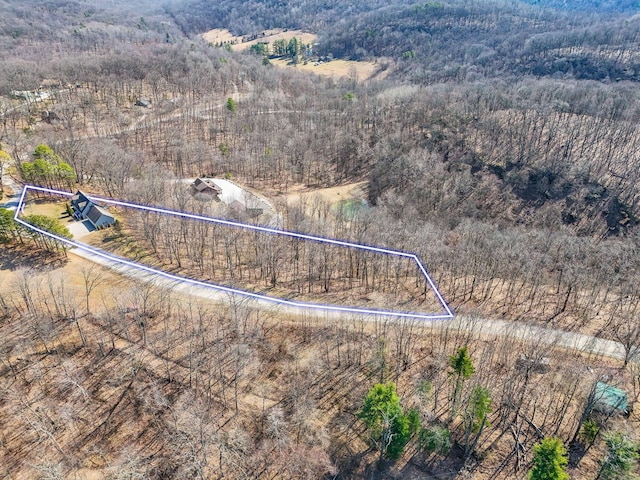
<point>439,42</point>
<point>451,40</point>
<point>499,142</point>
<point>590,5</point>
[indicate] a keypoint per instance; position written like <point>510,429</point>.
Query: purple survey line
<point>449,314</point>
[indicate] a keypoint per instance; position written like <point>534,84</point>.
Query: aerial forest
<point>499,141</point>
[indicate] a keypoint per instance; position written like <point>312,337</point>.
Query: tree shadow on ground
<point>576,451</point>
<point>17,257</point>
<point>429,466</point>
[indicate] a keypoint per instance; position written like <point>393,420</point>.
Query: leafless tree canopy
<point>497,140</point>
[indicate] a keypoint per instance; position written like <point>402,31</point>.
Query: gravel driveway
<point>80,229</point>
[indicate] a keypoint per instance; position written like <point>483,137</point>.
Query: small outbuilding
<point>143,102</point>
<point>609,399</point>
<point>48,116</point>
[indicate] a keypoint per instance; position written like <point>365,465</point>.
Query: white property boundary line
<point>439,316</point>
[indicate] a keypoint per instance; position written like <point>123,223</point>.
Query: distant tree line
<point>435,42</point>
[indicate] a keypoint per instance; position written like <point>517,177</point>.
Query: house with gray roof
<point>100,217</point>
<point>80,204</point>
<point>84,208</point>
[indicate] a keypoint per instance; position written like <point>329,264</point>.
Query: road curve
<point>516,330</point>
<point>10,202</point>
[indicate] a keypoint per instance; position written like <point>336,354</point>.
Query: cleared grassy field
<point>359,71</point>
<point>48,209</point>
<point>218,35</point>
<point>336,68</point>
<point>222,35</point>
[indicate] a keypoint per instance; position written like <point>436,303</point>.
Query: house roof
<point>237,205</point>
<point>79,201</point>
<point>80,197</point>
<point>206,184</point>
<point>96,212</point>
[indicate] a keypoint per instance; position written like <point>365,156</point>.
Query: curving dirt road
<point>10,202</point>
<point>518,331</point>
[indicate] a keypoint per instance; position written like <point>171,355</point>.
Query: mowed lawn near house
<point>58,210</point>
<point>50,209</point>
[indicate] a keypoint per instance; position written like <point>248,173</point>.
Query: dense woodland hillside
<point>441,42</point>
<point>501,146</point>
<point>589,5</point>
